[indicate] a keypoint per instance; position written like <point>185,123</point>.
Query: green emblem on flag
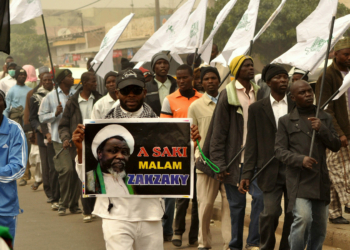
<point>244,23</point>
<point>104,42</point>
<point>30,1</point>
<point>316,46</point>
<point>215,25</point>
<point>194,29</point>
<point>170,28</point>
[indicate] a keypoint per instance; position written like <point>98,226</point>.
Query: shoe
<point>339,220</point>
<point>252,247</point>
<point>55,206</point>
<point>194,244</point>
<point>61,211</point>
<point>167,237</point>
<point>76,210</point>
<point>36,185</point>
<point>22,182</point>
<point>347,210</point>
<point>93,216</point>
<point>87,218</point>
<point>202,248</point>
<point>177,240</point>
<point>49,200</point>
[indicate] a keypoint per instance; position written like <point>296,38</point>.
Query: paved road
<point>41,228</point>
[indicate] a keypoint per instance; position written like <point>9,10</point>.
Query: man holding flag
<point>339,110</point>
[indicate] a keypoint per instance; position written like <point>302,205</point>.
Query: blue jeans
<point>237,202</point>
<point>169,211</point>
<point>310,224</point>
<point>11,223</point>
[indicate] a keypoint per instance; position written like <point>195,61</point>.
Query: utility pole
<point>157,15</point>
<point>132,6</point>
<point>80,14</point>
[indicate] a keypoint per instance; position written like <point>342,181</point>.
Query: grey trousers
<point>50,175</point>
<point>67,178</point>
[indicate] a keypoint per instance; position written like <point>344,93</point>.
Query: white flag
<point>191,36</point>
<point>318,21</point>
<point>206,48</point>
<point>241,37</point>
<point>106,67</point>
<point>163,39</point>
<point>310,54</point>
<point>344,87</point>
<point>108,42</point>
<point>24,10</point>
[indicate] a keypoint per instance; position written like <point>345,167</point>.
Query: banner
<point>141,157</point>
<point>106,48</point>
<point>163,39</point>
<point>206,48</point>
<point>24,10</point>
<point>318,21</point>
<point>239,41</point>
<point>191,36</point>
<point>310,54</point>
<point>5,26</point>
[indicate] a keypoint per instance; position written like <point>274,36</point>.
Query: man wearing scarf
<point>47,152</point>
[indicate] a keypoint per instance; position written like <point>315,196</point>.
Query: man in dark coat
<point>228,133</point>
<point>307,178</point>
<point>78,108</point>
<point>161,85</point>
<point>262,126</point>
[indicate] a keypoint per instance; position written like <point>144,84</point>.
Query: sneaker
<point>22,182</point>
<point>61,211</point>
<point>93,216</point>
<point>87,218</point>
<point>252,247</point>
<point>177,240</point>
<point>76,210</point>
<point>339,220</point>
<point>55,206</point>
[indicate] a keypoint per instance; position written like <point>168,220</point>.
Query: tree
<point>27,47</point>
<point>279,37</point>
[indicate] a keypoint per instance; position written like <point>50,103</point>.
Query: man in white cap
<point>110,175</point>
<point>128,223</point>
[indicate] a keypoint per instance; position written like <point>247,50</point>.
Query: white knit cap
<point>109,132</point>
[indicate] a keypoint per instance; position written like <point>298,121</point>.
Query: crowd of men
<point>242,125</point>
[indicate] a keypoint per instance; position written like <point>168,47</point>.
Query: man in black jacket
<point>262,126</point>
<point>78,108</point>
<point>307,178</point>
<point>161,85</point>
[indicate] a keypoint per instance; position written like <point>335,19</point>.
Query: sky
<point>69,4</point>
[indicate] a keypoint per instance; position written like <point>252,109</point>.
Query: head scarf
<point>236,64</point>
<point>31,75</point>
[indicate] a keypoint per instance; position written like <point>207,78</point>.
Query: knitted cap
<point>205,70</point>
<point>236,64</point>
<point>60,74</point>
<point>157,57</point>
<point>271,70</point>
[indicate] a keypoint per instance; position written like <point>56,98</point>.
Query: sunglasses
<point>136,90</point>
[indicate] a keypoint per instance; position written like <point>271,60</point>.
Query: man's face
<point>110,84</point>
<point>2,105</point>
<point>68,80</point>
<point>184,79</point>
<point>210,82</point>
<point>47,81</point>
<point>197,84</point>
<point>42,75</point>
<point>343,57</point>
<point>161,68</point>
<point>131,97</point>
<point>279,84</point>
<point>296,77</point>
<point>247,70</point>
<point>115,154</point>
<point>91,84</point>
<point>214,52</point>
<point>21,78</point>
<point>302,94</point>
<point>12,67</point>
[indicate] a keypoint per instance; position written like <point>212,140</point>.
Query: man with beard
<point>112,147</point>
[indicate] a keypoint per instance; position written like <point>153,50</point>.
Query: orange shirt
<point>176,106</point>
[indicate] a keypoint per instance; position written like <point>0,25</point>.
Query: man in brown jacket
<point>338,162</point>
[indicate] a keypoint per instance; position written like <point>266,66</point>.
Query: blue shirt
<point>13,160</point>
<point>214,99</point>
<point>48,107</point>
<point>16,97</point>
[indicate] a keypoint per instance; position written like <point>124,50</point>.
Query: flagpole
<point>52,68</point>
<point>322,82</point>
<point>194,58</point>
